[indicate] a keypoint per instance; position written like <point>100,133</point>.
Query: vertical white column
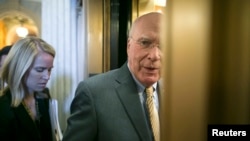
<point>59,28</point>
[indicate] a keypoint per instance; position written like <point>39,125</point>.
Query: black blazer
<point>17,125</point>
<point>107,107</point>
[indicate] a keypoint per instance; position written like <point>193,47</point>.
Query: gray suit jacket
<point>107,107</point>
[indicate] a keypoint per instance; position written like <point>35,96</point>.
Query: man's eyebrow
<point>144,38</point>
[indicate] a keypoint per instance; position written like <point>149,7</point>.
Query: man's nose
<point>154,53</point>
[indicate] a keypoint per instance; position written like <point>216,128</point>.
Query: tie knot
<point>149,91</point>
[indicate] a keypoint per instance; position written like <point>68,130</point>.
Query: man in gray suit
<point>111,106</point>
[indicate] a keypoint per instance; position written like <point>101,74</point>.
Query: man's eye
<point>145,43</point>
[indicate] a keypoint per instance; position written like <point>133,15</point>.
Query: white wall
<point>60,28</point>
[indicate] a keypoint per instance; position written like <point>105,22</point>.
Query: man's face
<point>144,55</point>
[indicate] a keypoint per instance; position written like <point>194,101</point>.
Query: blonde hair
<point>17,64</point>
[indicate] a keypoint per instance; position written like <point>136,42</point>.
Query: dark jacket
<point>17,125</point>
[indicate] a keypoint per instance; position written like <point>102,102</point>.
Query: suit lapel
<point>161,90</point>
<point>127,92</point>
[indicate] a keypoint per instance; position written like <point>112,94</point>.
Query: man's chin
<point>150,81</point>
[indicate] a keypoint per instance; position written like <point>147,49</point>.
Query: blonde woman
<point>24,102</point>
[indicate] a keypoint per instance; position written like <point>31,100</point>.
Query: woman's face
<point>39,72</point>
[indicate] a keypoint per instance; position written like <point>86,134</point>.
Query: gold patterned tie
<point>153,114</point>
